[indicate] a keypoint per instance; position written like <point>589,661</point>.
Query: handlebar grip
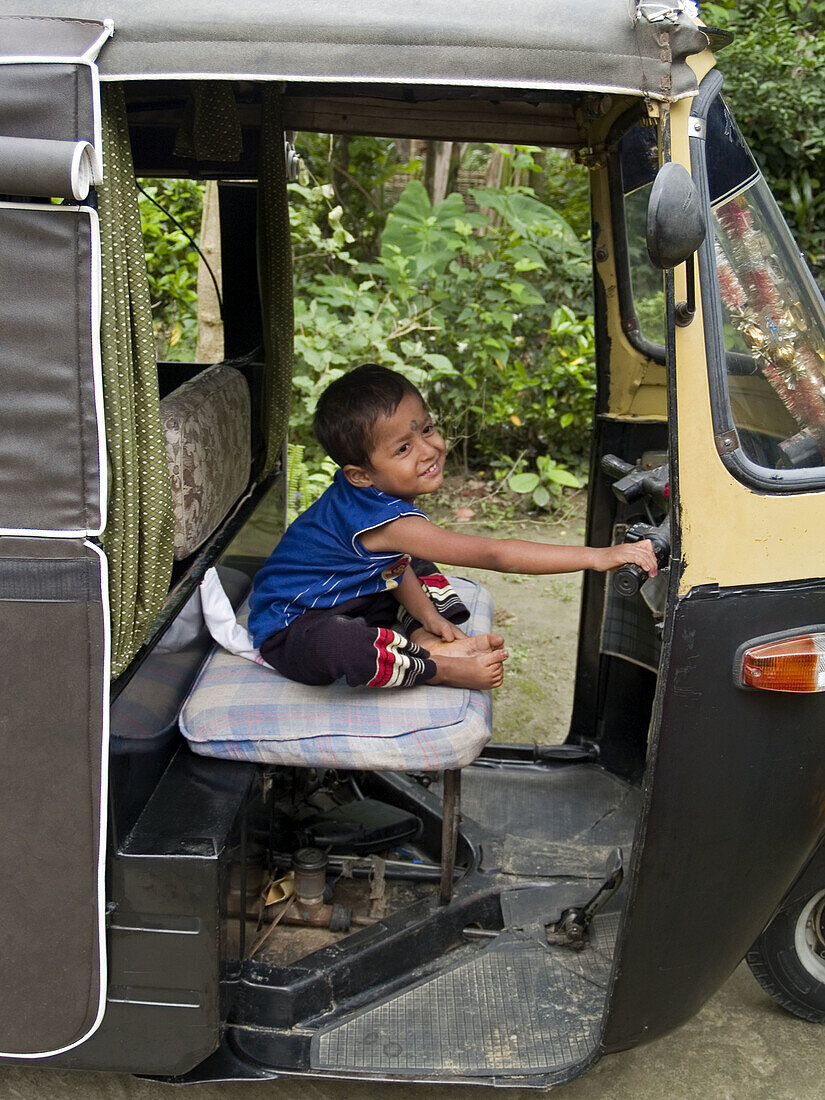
<point>628,579</point>
<point>616,467</point>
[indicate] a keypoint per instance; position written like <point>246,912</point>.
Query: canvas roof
<point>599,45</point>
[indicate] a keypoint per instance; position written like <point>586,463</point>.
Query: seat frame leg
<point>450,818</point>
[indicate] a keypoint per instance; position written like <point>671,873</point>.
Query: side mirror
<point>675,219</point>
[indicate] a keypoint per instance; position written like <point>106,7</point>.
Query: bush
<point>172,262</point>
<point>462,307</point>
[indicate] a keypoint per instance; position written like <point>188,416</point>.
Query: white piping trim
<point>102,828</point>
<point>72,208</point>
<point>43,59</point>
<point>86,58</point>
<point>97,126</point>
<point>91,53</point>
<point>41,533</point>
<point>97,373</point>
<point>424,81</point>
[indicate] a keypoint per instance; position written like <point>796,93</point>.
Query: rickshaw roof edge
<point>597,45</point>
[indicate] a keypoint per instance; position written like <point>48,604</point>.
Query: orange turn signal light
<point>791,664</point>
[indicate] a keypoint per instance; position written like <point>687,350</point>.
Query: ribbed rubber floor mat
<point>519,1007</point>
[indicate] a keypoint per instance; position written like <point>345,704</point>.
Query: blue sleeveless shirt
<point>320,561</point>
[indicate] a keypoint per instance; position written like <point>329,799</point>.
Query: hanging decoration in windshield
<point>771,311</point>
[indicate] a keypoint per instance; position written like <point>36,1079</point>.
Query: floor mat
<point>550,822</point>
<point>518,1007</point>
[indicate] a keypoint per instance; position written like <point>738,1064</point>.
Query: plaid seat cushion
<point>243,711</point>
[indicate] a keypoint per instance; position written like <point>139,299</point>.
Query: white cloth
<point>219,616</point>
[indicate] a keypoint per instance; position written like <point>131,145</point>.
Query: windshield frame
<point>726,436</point>
<point>624,281</point>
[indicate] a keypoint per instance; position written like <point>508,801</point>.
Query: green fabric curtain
<point>275,275</point>
<point>138,536</point>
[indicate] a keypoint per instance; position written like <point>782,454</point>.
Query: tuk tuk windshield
<point>772,311</point>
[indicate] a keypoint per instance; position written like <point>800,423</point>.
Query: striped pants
<point>359,640</point>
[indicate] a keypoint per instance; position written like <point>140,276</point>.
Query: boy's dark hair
<point>349,407</point>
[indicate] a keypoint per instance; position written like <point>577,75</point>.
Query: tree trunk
<point>340,168</point>
<point>456,157</point>
<point>210,325</point>
<point>441,170</point>
<point>429,167</point>
<point>495,167</point>
<point>494,178</point>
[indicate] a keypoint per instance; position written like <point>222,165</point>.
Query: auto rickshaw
<point>201,907</point>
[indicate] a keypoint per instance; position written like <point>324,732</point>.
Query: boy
<point>324,603</point>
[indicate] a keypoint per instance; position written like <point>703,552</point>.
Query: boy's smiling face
<point>407,456</point>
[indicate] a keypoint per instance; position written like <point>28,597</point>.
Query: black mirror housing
<point>675,218</point>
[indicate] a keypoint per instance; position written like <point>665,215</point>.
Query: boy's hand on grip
<point>624,553</point>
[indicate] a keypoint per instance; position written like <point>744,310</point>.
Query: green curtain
<point>275,274</point>
<point>138,536</point>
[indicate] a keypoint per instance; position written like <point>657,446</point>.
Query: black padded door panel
<point>52,732</point>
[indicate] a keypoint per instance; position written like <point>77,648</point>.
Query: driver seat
<point>240,708</point>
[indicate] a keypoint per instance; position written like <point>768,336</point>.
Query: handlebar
<point>628,579</point>
<point>632,483</point>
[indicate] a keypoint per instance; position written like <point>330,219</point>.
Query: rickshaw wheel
<point>788,959</point>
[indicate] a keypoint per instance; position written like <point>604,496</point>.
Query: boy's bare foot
<point>460,647</point>
<point>478,670</point>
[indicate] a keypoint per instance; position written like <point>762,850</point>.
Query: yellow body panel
<point>731,535</point>
<point>638,386</point>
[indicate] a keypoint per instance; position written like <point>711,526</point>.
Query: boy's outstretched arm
<point>417,536</point>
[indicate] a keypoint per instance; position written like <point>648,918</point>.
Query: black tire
<point>788,959</point>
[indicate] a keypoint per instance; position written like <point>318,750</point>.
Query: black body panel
<point>733,809</point>
<point>612,697</point>
<point>165,931</point>
<point>51,618</point>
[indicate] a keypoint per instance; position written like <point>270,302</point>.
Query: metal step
<point>519,1007</point>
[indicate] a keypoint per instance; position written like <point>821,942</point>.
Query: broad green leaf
<point>529,217</point>
<point>563,477</point>
<point>523,483</point>
<point>440,363</point>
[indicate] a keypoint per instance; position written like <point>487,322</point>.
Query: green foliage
<point>545,485</point>
<point>565,185</point>
<point>304,486</point>
<point>428,236</point>
<point>356,171</point>
<point>466,309</point>
<point>172,262</point>
<point>486,310</point>
<point>775,83</point>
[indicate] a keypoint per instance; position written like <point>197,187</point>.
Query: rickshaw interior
<point>308,984</point>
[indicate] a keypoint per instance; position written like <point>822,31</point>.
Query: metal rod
<point>242,906</point>
<point>361,867</point>
<point>451,815</point>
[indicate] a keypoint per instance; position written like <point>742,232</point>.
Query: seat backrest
<point>206,427</point>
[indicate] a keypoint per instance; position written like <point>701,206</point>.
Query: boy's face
<point>407,456</point>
